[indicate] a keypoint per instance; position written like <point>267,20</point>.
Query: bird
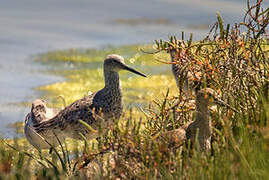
<point>101,108</point>
<point>201,126</point>
<point>177,72</point>
<point>185,71</point>
<point>39,113</point>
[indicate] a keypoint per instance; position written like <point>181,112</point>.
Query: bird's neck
<point>112,95</point>
<point>112,81</point>
<point>203,124</point>
<point>203,119</point>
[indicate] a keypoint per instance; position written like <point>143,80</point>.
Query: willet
<point>39,113</point>
<point>186,73</point>
<point>201,126</point>
<point>100,108</point>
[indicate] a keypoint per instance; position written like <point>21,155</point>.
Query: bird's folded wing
<point>81,109</point>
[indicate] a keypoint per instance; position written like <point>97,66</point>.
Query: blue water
<point>29,27</point>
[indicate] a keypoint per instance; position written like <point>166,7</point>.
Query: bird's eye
<point>39,106</point>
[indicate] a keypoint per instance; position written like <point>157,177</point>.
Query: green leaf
<point>220,21</point>
<point>88,126</point>
<point>190,40</point>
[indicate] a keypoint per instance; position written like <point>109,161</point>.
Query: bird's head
<point>39,105</point>
<point>208,97</point>
<point>116,63</point>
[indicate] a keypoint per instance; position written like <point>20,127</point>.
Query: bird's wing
<point>81,109</point>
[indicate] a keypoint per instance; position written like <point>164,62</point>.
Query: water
<point>29,27</point>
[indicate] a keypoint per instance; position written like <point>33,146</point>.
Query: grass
<point>234,64</point>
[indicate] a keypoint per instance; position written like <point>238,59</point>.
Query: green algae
<point>133,54</point>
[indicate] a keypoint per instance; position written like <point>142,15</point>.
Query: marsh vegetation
<point>233,63</point>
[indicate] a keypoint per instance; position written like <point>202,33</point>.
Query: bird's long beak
<point>222,103</point>
<point>133,70</point>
